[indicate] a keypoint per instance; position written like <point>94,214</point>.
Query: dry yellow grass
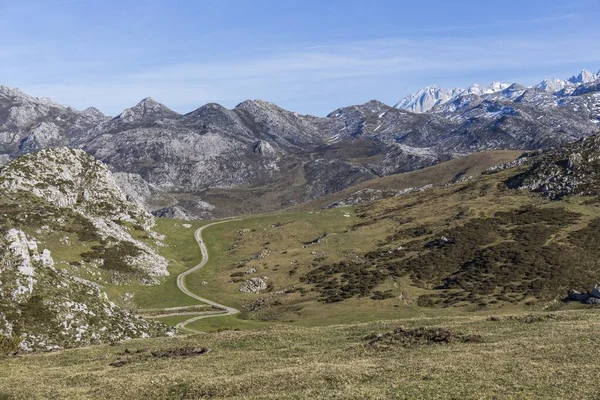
<point>548,357</point>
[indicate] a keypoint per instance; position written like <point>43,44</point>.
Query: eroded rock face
<point>70,178</point>
<point>44,308</point>
<point>563,171</point>
<point>134,187</point>
<point>28,123</point>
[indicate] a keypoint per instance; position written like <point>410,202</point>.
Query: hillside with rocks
<point>562,171</point>
<point>46,308</point>
<point>70,183</point>
<point>63,202</point>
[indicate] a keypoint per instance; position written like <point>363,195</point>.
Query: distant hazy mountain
<point>428,98</point>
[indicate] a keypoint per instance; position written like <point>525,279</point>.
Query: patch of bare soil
<point>143,355</point>
<point>418,337</point>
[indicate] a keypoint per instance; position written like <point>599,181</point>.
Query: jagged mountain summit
<point>584,76</point>
<point>554,85</point>
<point>432,98</point>
<point>427,98</point>
<point>28,123</point>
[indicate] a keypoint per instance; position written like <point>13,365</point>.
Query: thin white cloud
<point>294,77</point>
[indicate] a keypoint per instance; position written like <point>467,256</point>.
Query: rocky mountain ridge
<point>202,164</point>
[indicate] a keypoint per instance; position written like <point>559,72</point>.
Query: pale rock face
<point>203,205</point>
<point>253,285</point>
<point>133,186</point>
<point>44,135</point>
<point>553,85</point>
<point>427,98</point>
<point>70,178</point>
<point>584,76</point>
<point>92,319</point>
<point>264,149</point>
<point>25,251</point>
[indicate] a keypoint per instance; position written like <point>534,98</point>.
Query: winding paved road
<point>181,285</point>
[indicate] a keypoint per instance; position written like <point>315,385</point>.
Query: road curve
<point>181,285</point>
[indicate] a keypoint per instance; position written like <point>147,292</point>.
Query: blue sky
<point>307,56</point>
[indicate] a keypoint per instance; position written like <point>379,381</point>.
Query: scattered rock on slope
<point>563,171</point>
<point>253,285</point>
<point>72,179</point>
<point>44,308</point>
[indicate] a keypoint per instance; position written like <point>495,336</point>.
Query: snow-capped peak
<point>492,88</point>
<point>553,85</point>
<point>426,98</point>
<point>584,76</point>
<point>498,86</point>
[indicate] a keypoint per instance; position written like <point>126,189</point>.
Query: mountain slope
<point>28,123</point>
<point>427,98</point>
<point>66,229</point>
<point>45,308</point>
<point>461,168</point>
<point>470,244</point>
<point>72,183</point>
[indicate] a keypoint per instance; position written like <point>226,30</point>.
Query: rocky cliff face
<point>65,200</point>
<point>28,123</point>
<point>563,171</point>
<point>72,180</point>
<point>45,308</point>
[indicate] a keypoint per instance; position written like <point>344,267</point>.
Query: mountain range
<point>258,157</point>
<point>429,97</point>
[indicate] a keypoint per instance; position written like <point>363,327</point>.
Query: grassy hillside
<point>439,174</point>
<point>533,356</point>
<point>475,246</point>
